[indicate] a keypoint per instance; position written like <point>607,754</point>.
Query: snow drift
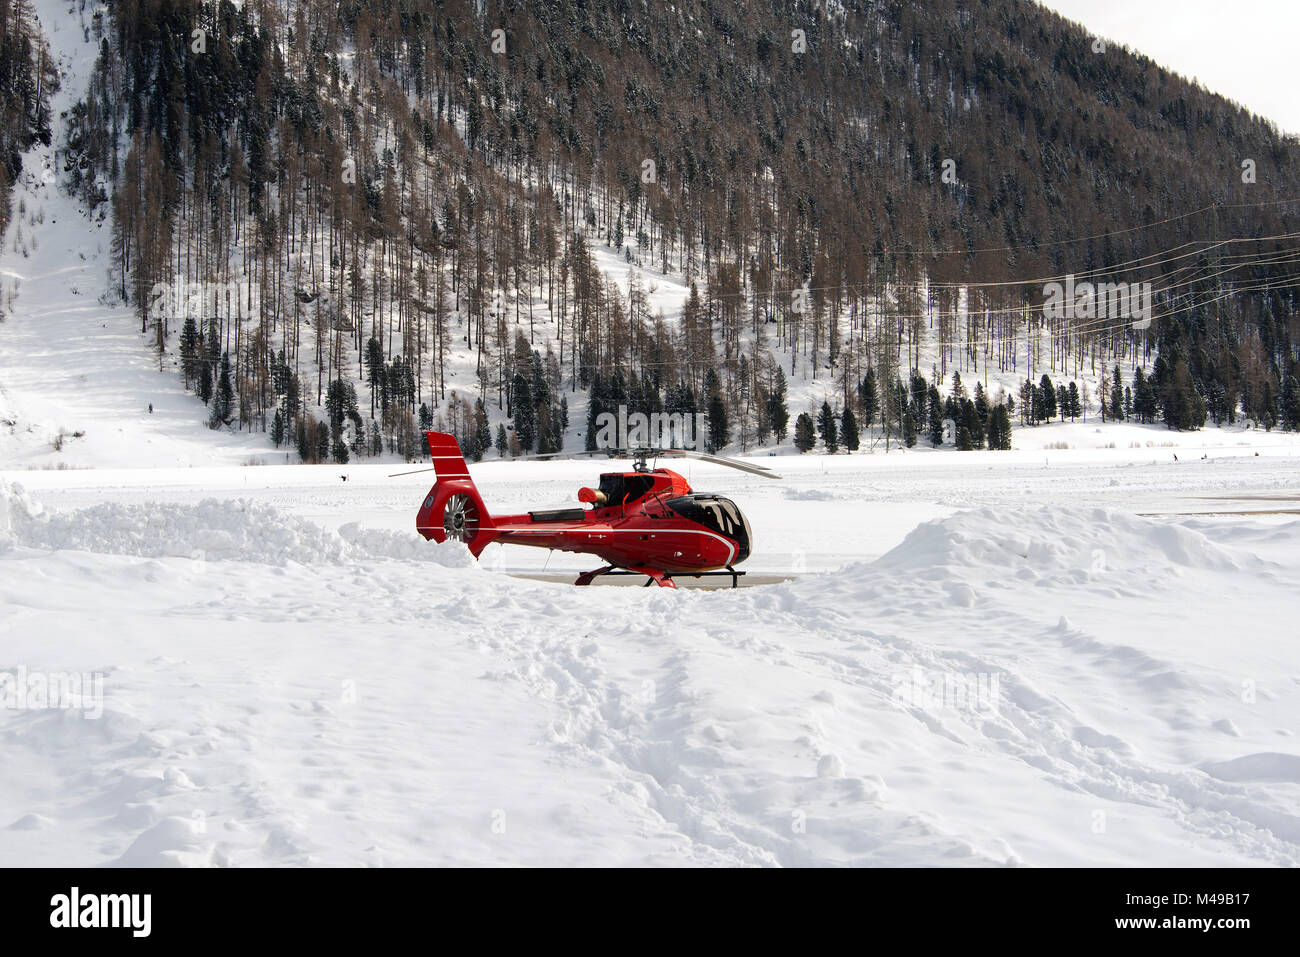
<point>214,530</point>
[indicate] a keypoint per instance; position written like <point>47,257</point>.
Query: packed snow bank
<point>213,530</point>
<point>1257,767</point>
<point>1054,544</point>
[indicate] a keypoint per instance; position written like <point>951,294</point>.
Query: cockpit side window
<point>612,486</point>
<point>622,489</point>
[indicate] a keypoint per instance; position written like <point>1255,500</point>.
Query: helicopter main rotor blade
<point>760,470</point>
<point>563,456</point>
<point>650,452</point>
<point>523,458</point>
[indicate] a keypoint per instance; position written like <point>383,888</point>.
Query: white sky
<point>1243,49</point>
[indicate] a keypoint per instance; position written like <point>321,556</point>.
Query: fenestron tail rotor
<point>460,518</point>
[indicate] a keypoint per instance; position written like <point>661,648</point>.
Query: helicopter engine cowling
<point>591,496</point>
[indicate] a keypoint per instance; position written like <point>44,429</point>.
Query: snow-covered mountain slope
<point>1027,682</point>
<point>80,385</point>
<point>77,379</point>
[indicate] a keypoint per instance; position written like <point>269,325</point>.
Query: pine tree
<point>292,403</point>
<point>1000,423</point>
<point>336,404</point>
<point>778,413</point>
<point>1216,401</point>
<point>190,346</point>
<point>224,396</point>
<point>1073,403</point>
<point>306,437</point>
<point>546,424</point>
<point>204,387</point>
<point>762,418</point>
<point>597,405</point>
<point>869,393</point>
<point>322,449</point>
<point>719,426</point>
<point>1047,398</point>
<point>1267,407</point>
<point>1184,407</point>
<point>525,413</point>
<point>935,414</point>
<point>1028,407</point>
<point>909,429</point>
<point>993,428</point>
<point>917,400</point>
<point>482,430</point>
<point>805,434</point>
<point>849,430</point>
<point>277,428</point>
<point>974,424</point>
<point>1143,398</point>
<point>826,428</point>
<point>963,440</point>
<point>1291,403</point>
<point>1116,407</point>
<point>503,443</point>
<point>375,376</point>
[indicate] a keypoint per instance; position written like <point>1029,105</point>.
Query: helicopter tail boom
<point>453,509</point>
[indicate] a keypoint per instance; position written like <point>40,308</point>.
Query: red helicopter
<point>648,521</point>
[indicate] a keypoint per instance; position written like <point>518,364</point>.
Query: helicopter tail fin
<point>453,509</point>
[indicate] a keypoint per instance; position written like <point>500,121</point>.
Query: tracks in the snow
<point>683,755</point>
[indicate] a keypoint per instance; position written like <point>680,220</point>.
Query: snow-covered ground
<point>1061,657</point>
<point>1079,652</point>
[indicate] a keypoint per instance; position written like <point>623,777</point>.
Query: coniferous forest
<point>344,222</point>
<point>27,79</point>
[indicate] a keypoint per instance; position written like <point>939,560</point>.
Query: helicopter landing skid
<point>653,575</point>
<point>656,577</point>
